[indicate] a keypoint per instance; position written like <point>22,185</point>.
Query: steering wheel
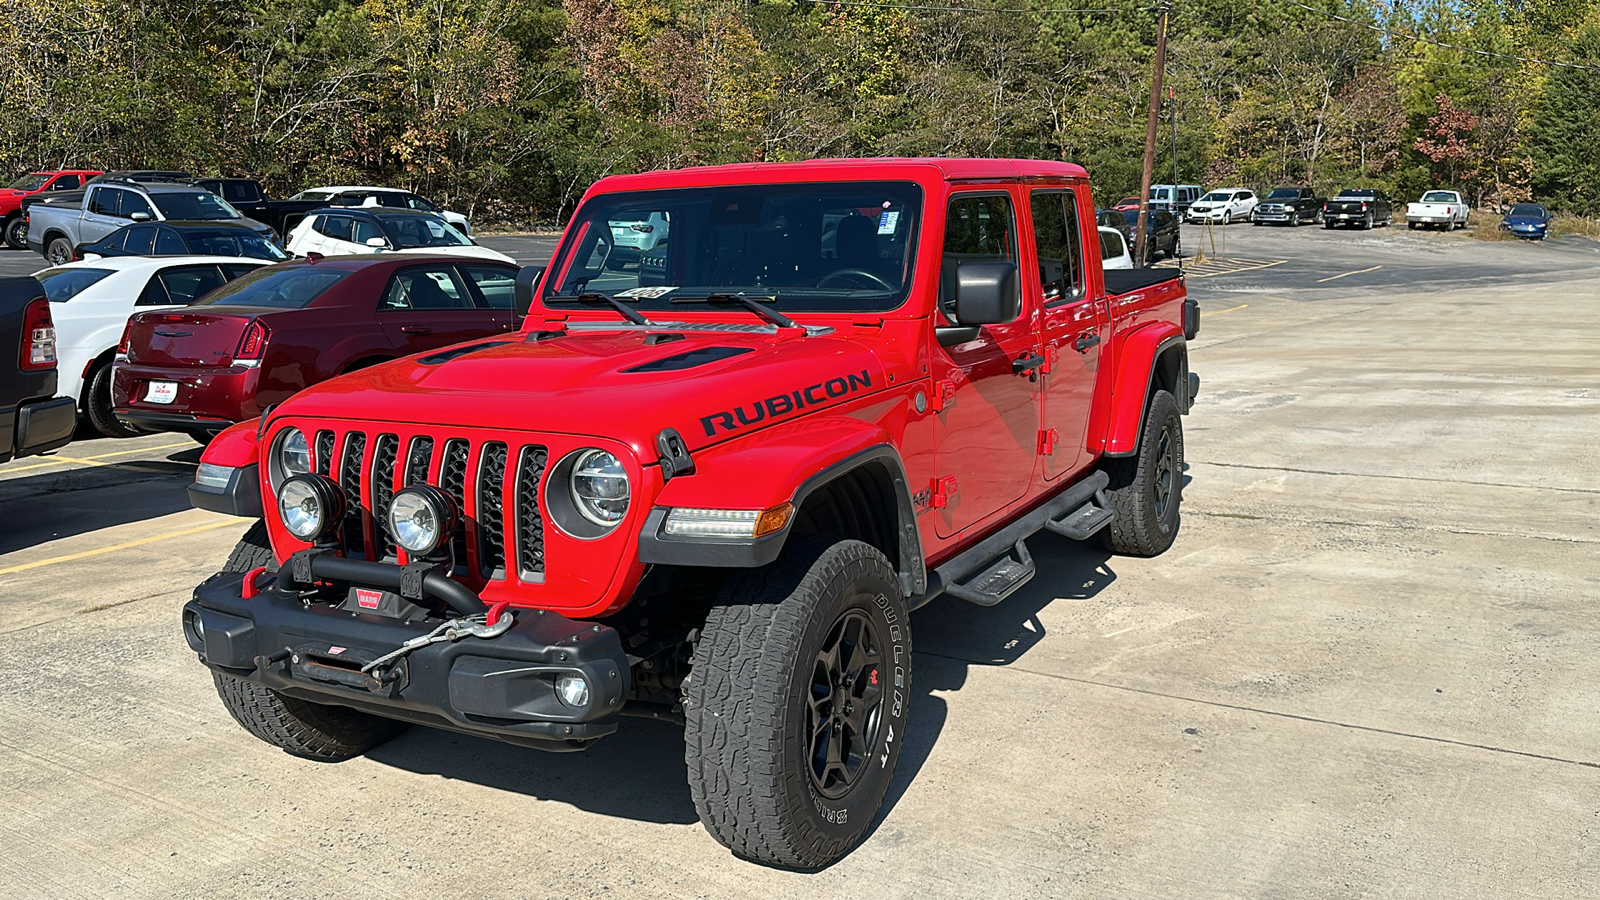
<point>861,274</point>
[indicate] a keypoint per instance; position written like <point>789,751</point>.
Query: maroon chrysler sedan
<point>258,339</point>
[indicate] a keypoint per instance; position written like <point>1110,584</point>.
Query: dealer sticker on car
<point>162,392</point>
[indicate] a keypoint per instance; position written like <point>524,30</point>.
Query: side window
<point>189,283</point>
<point>1055,237</point>
<point>497,285</point>
<point>169,243</point>
<point>140,240</point>
<point>977,228</point>
<point>103,201</point>
<point>336,227</point>
<point>426,289</point>
<point>1111,245</point>
<point>154,294</point>
<point>67,183</point>
<point>1245,195</point>
<point>363,230</point>
<point>134,203</point>
<point>234,270</point>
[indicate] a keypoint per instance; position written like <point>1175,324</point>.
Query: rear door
<point>429,306</point>
<point>1074,328</point>
<point>496,289</point>
<point>987,427</point>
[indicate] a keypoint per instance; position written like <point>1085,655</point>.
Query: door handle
<point>415,329</point>
<point>1085,341</point>
<point>1026,363</point>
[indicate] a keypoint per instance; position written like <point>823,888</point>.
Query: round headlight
<point>293,455</point>
<point>421,518</point>
<point>600,487</point>
<point>310,506</point>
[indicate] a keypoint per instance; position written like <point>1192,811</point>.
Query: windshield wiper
<point>600,297</point>
<point>748,302</point>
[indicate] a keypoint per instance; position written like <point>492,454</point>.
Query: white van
<point>1161,197</point>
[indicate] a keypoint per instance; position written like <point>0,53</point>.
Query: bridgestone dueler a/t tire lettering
<point>751,717</point>
<point>1143,525</point>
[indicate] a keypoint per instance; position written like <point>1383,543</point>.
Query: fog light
<point>421,518</point>
<point>573,690</point>
<point>197,631</point>
<point>310,506</point>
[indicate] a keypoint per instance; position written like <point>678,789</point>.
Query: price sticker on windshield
<point>646,293</point>
<point>888,220</point>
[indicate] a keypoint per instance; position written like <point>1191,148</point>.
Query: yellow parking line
<point>1240,269</point>
<point>91,460</point>
<point>1342,275</point>
<point>1218,312</point>
<point>115,547</point>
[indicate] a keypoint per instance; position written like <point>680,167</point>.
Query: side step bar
<point>1001,561</point>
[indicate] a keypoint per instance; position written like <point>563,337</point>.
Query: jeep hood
<point>626,385</point>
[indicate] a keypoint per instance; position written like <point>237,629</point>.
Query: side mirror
<point>527,280</point>
<point>986,293</point>
<point>139,216</point>
<point>377,243</point>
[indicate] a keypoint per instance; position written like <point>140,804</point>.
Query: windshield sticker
<point>646,293</point>
<point>888,221</point>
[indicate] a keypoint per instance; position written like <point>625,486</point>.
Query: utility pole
<point>1142,238</point>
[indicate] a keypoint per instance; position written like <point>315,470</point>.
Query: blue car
<point>1527,220</point>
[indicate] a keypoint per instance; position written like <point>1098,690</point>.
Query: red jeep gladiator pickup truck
<point>708,486</point>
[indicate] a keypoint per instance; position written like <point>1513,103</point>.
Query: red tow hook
<point>492,617</point>
<point>249,587</point>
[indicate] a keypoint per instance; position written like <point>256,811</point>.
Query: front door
<point>1074,326</point>
<point>987,413</point>
<point>430,306</point>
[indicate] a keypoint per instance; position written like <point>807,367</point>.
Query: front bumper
<point>502,687</point>
<point>1274,215</point>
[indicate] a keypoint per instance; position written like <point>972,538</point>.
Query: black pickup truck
<point>249,197</point>
<point>33,419</point>
<point>1289,206</point>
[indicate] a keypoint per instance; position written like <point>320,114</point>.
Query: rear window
<point>276,288</point>
<point>61,285</point>
<point>1438,197</point>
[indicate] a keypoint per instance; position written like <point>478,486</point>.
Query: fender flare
<point>237,450</point>
<point>1136,372</point>
<point>655,547</point>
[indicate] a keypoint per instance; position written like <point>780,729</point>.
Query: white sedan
<point>369,197</point>
<point>341,231</point>
<point>90,303</point>
<point>1223,205</point>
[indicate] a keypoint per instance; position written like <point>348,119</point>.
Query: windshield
<point>1438,197</point>
<point>193,205</point>
<point>29,182</point>
<point>275,287</point>
<point>409,232</point>
<point>61,285</point>
<point>1527,209</point>
<point>232,242</point>
<point>811,247</point>
<point>1284,194</point>
<point>1217,197</point>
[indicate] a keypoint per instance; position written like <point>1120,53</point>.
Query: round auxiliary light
<point>600,487</point>
<point>573,690</point>
<point>422,518</point>
<point>310,506</point>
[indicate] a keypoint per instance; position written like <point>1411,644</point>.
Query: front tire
<point>1146,488</point>
<point>97,406</point>
<point>17,233</point>
<point>797,701</point>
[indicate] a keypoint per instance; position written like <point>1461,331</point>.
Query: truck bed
<point>1126,281</point>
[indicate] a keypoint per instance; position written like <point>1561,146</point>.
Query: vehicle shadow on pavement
<point>951,637</point>
<point>637,773</point>
<point>56,504</point>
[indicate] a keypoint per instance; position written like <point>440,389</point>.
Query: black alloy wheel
<point>1166,472</point>
<point>845,709</point>
<point>17,233</point>
<point>59,252</point>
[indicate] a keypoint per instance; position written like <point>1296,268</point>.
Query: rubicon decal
<point>782,404</point>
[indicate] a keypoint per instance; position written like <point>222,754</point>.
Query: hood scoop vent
<point>690,359</point>
<point>444,356</point>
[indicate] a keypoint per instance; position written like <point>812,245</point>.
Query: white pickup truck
<point>1443,208</point>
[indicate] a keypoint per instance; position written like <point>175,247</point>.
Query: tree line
<point>509,109</point>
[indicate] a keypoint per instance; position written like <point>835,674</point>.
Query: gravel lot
<point>1366,669</point>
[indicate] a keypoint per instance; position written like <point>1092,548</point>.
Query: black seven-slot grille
<point>491,540</point>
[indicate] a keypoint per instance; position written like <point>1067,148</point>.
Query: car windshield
<point>29,182</point>
<point>61,285</point>
<point>232,242</point>
<point>194,205</point>
<point>1527,209</point>
<point>1284,194</point>
<point>276,287</point>
<point>1438,197</point>
<point>810,247</point>
<point>410,232</point>
<point>1217,197</point>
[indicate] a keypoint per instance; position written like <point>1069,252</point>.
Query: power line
<point>1422,40</point>
<point>976,9</point>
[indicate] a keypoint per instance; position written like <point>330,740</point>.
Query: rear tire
<point>1146,488</point>
<point>97,406</point>
<point>17,233</point>
<point>803,665</point>
<point>59,252</point>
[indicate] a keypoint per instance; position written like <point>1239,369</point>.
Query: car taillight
<point>127,336</point>
<point>253,342</point>
<point>38,351</point>
<point>1363,205</point>
<point>644,228</point>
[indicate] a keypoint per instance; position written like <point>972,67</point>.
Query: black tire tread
<point>737,694</point>
<point>1133,530</point>
<point>97,406</point>
<point>253,551</point>
<point>301,728</point>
